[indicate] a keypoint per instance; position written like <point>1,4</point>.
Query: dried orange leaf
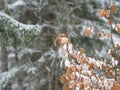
<point>65,87</point>
<point>116,86</point>
<point>87,32</point>
<point>71,84</point>
<point>69,71</point>
<point>72,76</point>
<point>61,39</point>
<point>62,79</point>
<point>91,66</point>
<point>101,13</point>
<point>118,29</point>
<point>82,51</point>
<point>114,8</point>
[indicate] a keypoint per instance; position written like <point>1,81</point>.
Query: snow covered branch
<point>11,29</point>
<point>88,73</point>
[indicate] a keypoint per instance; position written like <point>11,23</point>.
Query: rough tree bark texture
<point>1,4</point>
<point>4,62</point>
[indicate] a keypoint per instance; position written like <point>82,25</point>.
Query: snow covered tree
<point>28,28</point>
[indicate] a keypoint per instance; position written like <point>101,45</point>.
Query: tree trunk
<point>4,63</point>
<point>15,52</point>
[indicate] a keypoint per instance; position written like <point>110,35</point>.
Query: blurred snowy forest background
<point>29,58</point>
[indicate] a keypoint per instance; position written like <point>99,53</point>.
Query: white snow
<point>32,70</point>
<point>17,3</point>
<point>91,60</point>
<point>67,63</point>
<point>116,39</point>
<point>70,48</point>
<point>65,46</point>
<point>21,25</point>
<point>4,77</point>
<point>114,62</point>
<point>113,26</point>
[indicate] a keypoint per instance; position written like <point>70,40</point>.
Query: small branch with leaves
<point>87,73</point>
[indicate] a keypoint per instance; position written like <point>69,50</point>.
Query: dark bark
<point>15,51</point>
<point>1,4</point>
<point>4,62</point>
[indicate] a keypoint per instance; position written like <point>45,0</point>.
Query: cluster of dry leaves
<point>85,72</point>
<point>115,51</point>
<point>108,13</point>
<point>89,31</point>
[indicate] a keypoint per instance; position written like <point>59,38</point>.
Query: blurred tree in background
<point>30,60</point>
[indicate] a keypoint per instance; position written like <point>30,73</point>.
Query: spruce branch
<point>11,29</point>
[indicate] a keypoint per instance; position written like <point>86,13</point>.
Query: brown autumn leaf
<point>73,67</point>
<point>82,59</point>
<point>116,86</point>
<point>118,76</point>
<point>118,30</point>
<point>82,51</point>
<point>103,66</point>
<point>82,85</point>
<point>109,73</point>
<point>64,78</point>
<point>109,35</point>
<point>102,13</point>
<point>65,87</point>
<point>71,84</point>
<point>85,60</point>
<point>69,70</point>
<point>91,66</point>
<point>73,76</point>
<point>102,88</point>
<point>79,69</point>
<point>88,32</point>
<point>61,39</point>
<point>88,88</point>
<point>113,8</point>
<point>75,54</point>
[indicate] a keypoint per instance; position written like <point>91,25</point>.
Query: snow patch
<point>17,3</point>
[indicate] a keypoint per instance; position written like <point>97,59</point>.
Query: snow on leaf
<point>93,79</point>
<point>67,63</point>
<point>113,26</point>
<point>77,88</point>
<point>114,62</point>
<point>91,60</point>
<point>70,48</point>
